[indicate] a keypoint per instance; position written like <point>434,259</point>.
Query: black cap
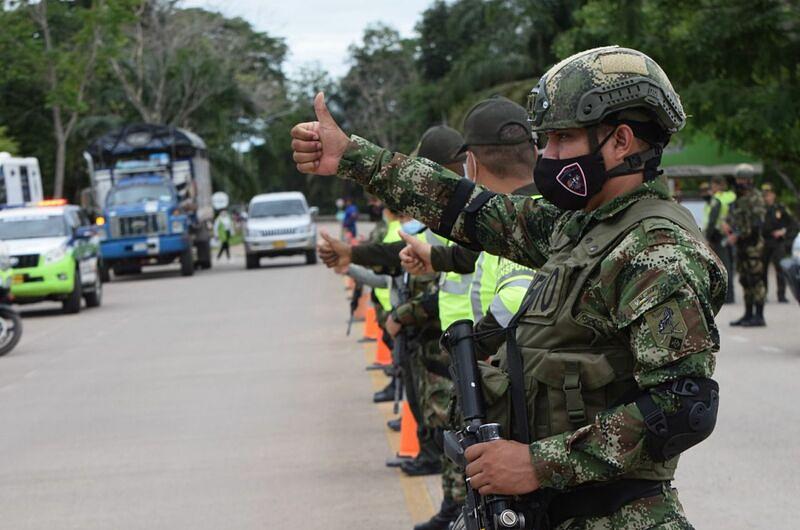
<point>485,120</point>
<point>441,144</point>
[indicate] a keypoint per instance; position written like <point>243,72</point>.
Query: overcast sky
<point>317,30</point>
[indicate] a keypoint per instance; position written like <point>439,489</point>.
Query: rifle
<point>357,290</point>
<point>400,350</point>
<point>490,512</point>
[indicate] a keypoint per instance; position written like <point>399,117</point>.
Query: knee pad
<point>670,434</point>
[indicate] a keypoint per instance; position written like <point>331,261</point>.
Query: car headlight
<point>252,233</point>
<point>5,262</point>
<point>54,255</point>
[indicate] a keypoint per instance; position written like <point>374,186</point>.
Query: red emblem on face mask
<point>573,179</point>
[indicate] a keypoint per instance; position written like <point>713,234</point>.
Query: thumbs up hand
<point>416,256</point>
<point>318,145</point>
<point>333,252</point>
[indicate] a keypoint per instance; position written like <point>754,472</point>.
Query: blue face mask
<point>413,227</point>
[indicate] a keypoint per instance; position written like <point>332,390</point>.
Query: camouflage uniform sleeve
<point>513,226</point>
<point>419,311</point>
<point>663,300</point>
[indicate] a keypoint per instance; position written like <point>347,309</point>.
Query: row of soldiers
<point>449,282</point>
<point>750,231</point>
<point>603,376</point>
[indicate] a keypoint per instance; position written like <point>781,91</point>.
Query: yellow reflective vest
<point>382,294</point>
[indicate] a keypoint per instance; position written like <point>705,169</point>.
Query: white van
<point>20,180</point>
<point>280,224</point>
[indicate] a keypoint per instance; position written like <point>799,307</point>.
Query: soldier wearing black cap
<point>779,229</point>
<point>441,145</point>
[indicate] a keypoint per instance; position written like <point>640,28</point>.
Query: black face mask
<point>741,188</point>
<point>569,183</point>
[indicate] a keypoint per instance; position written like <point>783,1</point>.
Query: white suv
<point>280,224</point>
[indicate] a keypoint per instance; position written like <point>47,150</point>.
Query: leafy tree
<point>733,62</point>
<point>7,144</point>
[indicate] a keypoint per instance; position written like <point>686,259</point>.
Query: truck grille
<point>276,232</point>
<point>25,260</point>
<point>139,225</point>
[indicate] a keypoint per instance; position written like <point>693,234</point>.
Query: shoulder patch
<point>667,326</point>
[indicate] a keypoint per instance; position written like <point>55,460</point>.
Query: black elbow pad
<point>670,435</point>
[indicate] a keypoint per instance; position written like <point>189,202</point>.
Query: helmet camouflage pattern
<point>744,171</point>
<point>585,88</point>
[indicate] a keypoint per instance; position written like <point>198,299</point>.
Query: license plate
<point>139,247</point>
<point>279,244</point>
<point>17,279</point>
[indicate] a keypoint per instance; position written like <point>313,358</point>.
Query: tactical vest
<point>454,300</point>
<point>391,236</point>
<point>571,371</point>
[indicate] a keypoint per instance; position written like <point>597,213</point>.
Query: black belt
<point>597,500</point>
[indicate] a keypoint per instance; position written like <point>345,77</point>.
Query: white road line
<point>771,349</point>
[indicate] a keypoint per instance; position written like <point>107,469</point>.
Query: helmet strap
<point>646,162</point>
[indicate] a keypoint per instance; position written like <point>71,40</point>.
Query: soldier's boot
<point>427,462</point>
<point>441,521</point>
<point>394,424</point>
<point>387,394</point>
<point>758,318</point>
<point>748,315</point>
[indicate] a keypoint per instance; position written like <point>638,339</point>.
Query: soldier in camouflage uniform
<point>745,220</point>
<point>616,336</point>
<point>439,143</point>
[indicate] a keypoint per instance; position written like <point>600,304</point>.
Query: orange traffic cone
<point>409,443</point>
<point>371,329</point>
<point>383,355</point>
<point>361,311</point>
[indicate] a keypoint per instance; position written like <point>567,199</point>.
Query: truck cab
<point>144,223</point>
<point>151,188</point>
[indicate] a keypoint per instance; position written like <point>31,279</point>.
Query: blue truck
<point>151,189</point>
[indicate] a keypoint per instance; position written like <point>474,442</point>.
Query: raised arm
<point>515,227</point>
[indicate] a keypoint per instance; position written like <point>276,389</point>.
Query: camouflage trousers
<point>661,512</point>
<point>750,268</point>
<point>436,394</point>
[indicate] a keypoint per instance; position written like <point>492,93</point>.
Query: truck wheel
<point>95,297</point>
<point>204,254</point>
<point>252,261</point>
<point>73,302</point>
<point>311,257</point>
<point>187,262</point>
<point>104,272</point>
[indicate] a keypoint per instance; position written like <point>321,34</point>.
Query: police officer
<point>617,334</point>
<point>718,200</point>
<point>780,228</point>
<point>745,222</point>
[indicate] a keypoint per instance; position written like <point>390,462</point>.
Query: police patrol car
<point>55,254</point>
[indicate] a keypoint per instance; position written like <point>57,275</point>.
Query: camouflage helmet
<point>586,88</point>
<point>744,171</point>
